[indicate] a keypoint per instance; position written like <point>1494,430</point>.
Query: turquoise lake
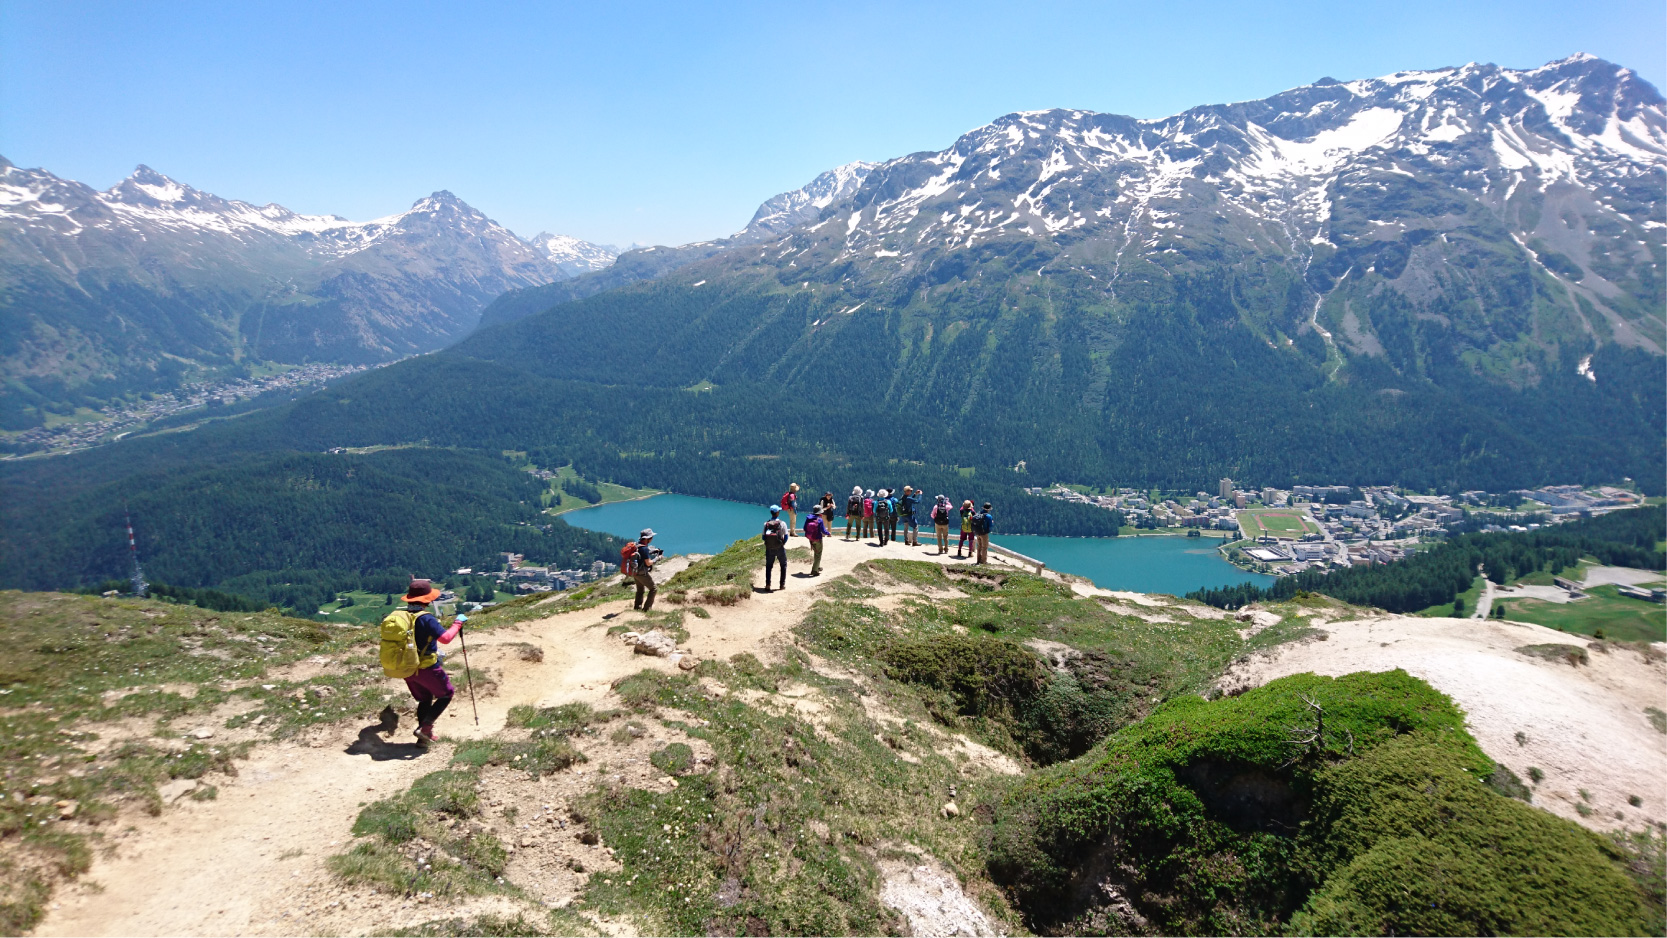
<point>684,524</point>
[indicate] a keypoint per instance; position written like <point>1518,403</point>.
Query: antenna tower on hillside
<point>140,587</point>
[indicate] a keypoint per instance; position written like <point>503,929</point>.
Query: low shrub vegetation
<point>1313,805</point>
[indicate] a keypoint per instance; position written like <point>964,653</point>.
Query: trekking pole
<point>470,676</point>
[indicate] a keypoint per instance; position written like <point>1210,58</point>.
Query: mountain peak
<point>147,186</point>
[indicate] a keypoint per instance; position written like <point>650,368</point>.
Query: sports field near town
<point>1275,522</point>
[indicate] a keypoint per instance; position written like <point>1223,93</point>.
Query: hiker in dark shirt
<point>941,513</point>
<point>982,524</point>
<point>775,546</point>
<point>853,514</point>
<point>906,511</point>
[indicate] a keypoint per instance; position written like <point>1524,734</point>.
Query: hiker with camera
<point>410,649</point>
<point>636,562</point>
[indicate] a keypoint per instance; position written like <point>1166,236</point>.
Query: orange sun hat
<point>421,591</point>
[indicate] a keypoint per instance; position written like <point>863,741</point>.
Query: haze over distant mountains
<point>106,287</point>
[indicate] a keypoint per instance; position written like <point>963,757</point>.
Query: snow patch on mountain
<point>573,256</point>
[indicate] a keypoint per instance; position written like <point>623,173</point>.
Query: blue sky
<point>669,122</point>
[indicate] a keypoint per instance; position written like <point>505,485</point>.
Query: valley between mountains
<point>800,768</point>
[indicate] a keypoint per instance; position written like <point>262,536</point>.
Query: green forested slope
<point>293,529</point>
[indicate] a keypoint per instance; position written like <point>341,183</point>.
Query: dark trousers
<point>772,556</point>
<point>884,527</point>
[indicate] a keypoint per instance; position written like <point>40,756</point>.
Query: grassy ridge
<point>1312,805</point>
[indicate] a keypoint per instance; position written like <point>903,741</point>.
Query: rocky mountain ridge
<point>1424,184</point>
<point>1449,277</point>
<point>109,287</point>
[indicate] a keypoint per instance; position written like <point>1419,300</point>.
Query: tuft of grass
<point>674,759</point>
<point>560,922</point>
<point>1506,782</point>
<point>22,902</point>
<point>1573,655</point>
<point>423,841</point>
<point>1645,853</point>
<point>538,756</point>
<point>560,721</point>
<point>723,579</point>
<point>1658,718</point>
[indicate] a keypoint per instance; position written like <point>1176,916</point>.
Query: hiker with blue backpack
<point>410,649</point>
<point>882,516</point>
<point>982,524</point>
<point>906,511</point>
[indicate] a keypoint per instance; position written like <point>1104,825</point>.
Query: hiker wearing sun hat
<point>410,649</point>
<point>637,562</point>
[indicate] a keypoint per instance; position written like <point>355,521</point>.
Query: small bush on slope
<point>1208,818</point>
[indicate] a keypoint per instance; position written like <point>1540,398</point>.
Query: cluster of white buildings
<point>1351,526</point>
<point>518,576</point>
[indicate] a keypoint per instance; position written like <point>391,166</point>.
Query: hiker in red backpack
<point>430,686</point>
<point>790,504</point>
<point>776,534</point>
<point>636,561</point>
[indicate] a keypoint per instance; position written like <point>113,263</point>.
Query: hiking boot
<point>425,735</point>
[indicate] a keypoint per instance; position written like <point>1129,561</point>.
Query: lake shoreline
<point>1166,563</point>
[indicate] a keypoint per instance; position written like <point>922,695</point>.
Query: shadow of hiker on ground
<point>370,741</point>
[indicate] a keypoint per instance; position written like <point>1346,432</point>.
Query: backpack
<point>940,514</point>
<point>775,533</point>
<point>787,502</point>
<point>399,644</point>
<point>853,506</point>
<point>882,506</point>
<point>867,506</point>
<point>982,523</point>
<point>628,559</point>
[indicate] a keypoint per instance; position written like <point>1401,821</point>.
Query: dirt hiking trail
<point>252,862</point>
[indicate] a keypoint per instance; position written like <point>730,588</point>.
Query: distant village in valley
<point>519,577</point>
<point>71,432</point>
<point>1285,531</point>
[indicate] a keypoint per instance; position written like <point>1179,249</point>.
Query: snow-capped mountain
<point>105,286</point>
<point>1471,194</point>
<point>804,205</point>
<point>571,256</point>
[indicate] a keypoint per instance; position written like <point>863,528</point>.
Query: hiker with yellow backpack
<point>410,649</point>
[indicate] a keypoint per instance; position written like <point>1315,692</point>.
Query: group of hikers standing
<point>885,515</point>
<point>870,513</point>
